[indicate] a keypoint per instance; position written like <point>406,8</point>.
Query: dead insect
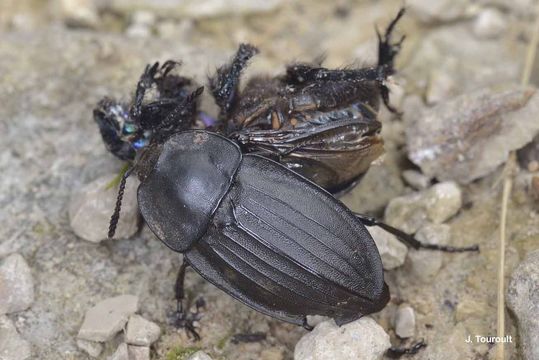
<point>126,129</point>
<point>319,122</point>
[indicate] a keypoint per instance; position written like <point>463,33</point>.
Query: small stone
<point>360,339</point>
<point>441,86</point>
<point>469,136</point>
<point>141,332</point>
<point>12,346</point>
<point>489,24</point>
<point>199,355</point>
<point>107,318</point>
<point>436,204</point>
<point>523,300</point>
<point>142,17</point>
<point>392,251</point>
<point>79,13</point>
<point>138,30</point>
<point>431,12</point>
<point>138,352</point>
<point>443,201</point>
<point>416,179</point>
<point>92,348</point>
<point>405,322</point>
<point>424,265</point>
<point>121,353</point>
<point>314,320</point>
<point>92,205</point>
<point>16,285</point>
<point>24,22</point>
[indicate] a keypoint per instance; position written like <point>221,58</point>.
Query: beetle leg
<point>186,319</point>
<point>410,240</point>
<point>395,352</point>
<point>146,80</point>
<point>224,84</point>
<point>179,286</point>
<point>387,50</point>
<point>180,117</point>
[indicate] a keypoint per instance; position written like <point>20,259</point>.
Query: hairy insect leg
<point>387,49</point>
<point>395,352</point>
<point>224,84</point>
<point>410,240</point>
<point>145,82</point>
<point>185,319</point>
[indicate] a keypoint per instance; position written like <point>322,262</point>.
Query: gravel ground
<point>59,57</point>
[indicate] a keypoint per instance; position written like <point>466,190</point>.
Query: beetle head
<point>162,104</point>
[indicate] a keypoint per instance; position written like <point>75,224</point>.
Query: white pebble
<point>489,24</point>
<point>16,285</point>
<point>141,332</point>
<point>92,348</point>
<point>107,318</point>
<point>92,205</point>
<point>138,352</point>
<point>392,251</point>
<point>416,179</point>
<point>360,339</point>
<point>405,322</point>
<point>120,353</point>
<point>12,346</point>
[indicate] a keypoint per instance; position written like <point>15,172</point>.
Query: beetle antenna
<point>116,214</point>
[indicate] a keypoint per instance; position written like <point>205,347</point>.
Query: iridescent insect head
<point>128,131</point>
<point>162,103</point>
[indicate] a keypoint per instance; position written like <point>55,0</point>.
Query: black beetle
<point>262,233</point>
<point>259,231</point>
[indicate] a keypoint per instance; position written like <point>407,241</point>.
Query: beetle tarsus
<point>397,352</point>
<point>410,240</point>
